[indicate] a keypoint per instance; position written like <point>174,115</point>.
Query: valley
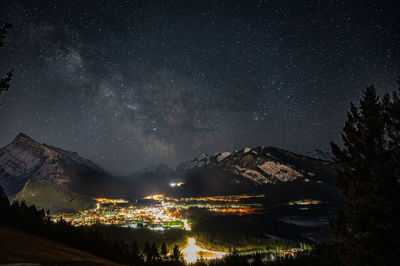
<point>194,215</point>
<point>158,212</point>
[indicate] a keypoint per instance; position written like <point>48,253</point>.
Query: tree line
<point>29,219</point>
<point>220,241</point>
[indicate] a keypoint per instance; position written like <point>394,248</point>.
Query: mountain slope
<point>20,247</point>
<point>52,178</point>
<point>48,196</point>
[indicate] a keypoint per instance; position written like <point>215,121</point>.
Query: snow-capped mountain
<point>270,170</point>
<point>261,165</point>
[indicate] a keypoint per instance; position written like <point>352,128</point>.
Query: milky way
<point>134,83</point>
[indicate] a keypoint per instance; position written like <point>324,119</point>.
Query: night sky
<point>130,84</point>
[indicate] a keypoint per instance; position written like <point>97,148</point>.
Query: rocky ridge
<point>260,165</point>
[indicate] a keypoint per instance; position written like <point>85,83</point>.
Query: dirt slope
<point>20,247</point>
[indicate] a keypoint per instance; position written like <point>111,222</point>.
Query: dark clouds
<point>132,83</point>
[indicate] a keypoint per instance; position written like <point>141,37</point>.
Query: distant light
<point>176,184</point>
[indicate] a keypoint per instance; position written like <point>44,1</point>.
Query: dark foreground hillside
<point>21,247</point>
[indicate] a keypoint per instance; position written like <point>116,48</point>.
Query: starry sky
<point>130,84</point>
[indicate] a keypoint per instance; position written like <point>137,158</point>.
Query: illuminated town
<point>157,212</point>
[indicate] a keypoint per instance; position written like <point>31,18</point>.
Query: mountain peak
<point>24,158</point>
<point>21,137</point>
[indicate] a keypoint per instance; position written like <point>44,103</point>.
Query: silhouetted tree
<point>147,251</point>
<point>3,32</point>
<point>233,258</point>
<point>176,255</point>
<point>164,251</point>
<point>154,252</point>
<point>135,249</point>
<point>5,82</point>
<point>4,207</point>
<point>368,175</point>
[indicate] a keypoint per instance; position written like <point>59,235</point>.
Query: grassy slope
<point>48,196</point>
<point>20,247</point>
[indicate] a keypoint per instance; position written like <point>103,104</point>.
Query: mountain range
<point>62,181</point>
<point>280,174</point>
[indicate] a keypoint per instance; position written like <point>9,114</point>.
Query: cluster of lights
<point>228,198</point>
<point>117,212</point>
<point>305,202</point>
<point>155,197</point>
<point>113,201</point>
<point>167,212</point>
<point>176,184</point>
<point>239,211</point>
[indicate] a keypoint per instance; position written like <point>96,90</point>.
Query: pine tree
<point>5,82</point>
<point>154,252</point>
<point>367,229</point>
<point>232,257</point>
<point>147,251</point>
<point>3,32</point>
<point>176,255</point>
<point>164,251</point>
<point>135,249</point>
<point>4,207</point>
<point>48,217</point>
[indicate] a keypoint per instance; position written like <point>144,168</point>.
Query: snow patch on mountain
<point>280,171</point>
<point>246,150</point>
<point>221,156</point>
<point>252,175</point>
